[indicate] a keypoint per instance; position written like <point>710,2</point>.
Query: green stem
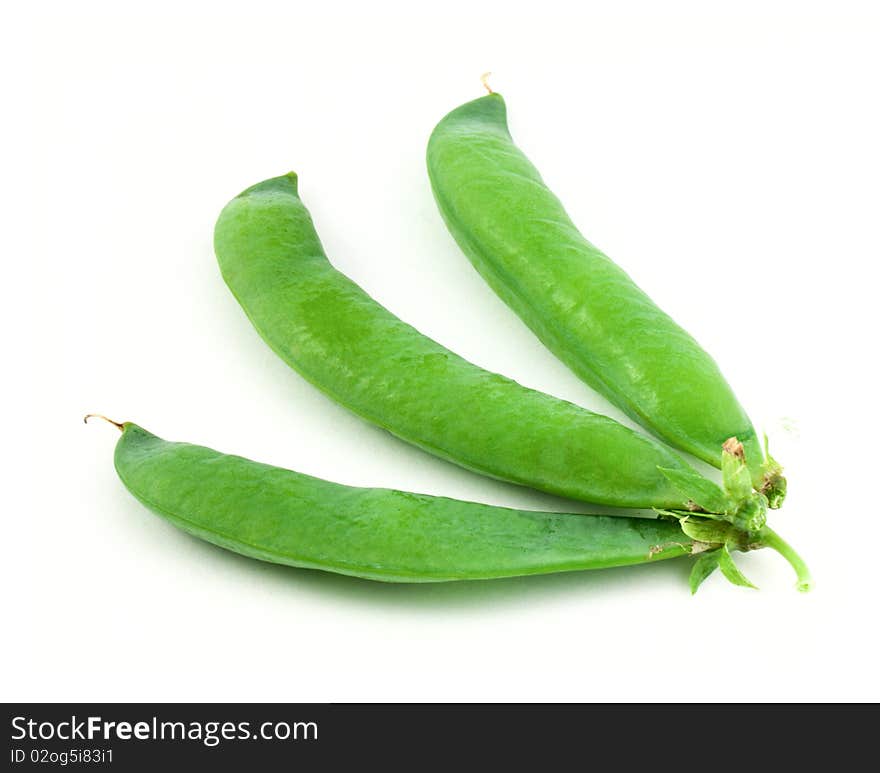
<point>771,539</point>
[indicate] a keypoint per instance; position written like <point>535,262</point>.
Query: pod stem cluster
<point>771,539</point>
<point>730,517</point>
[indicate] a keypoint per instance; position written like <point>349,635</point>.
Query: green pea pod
<point>579,303</point>
<point>335,335</point>
<point>284,517</point>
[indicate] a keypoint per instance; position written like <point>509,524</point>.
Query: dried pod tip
<point>734,448</point>
<point>118,425</point>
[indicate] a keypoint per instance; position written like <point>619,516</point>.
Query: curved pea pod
<point>285,517</point>
<point>360,354</point>
<point>579,303</point>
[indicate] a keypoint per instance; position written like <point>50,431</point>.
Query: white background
<point>726,156</point>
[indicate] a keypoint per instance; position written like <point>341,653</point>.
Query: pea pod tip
<point>119,425</point>
<point>285,183</point>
